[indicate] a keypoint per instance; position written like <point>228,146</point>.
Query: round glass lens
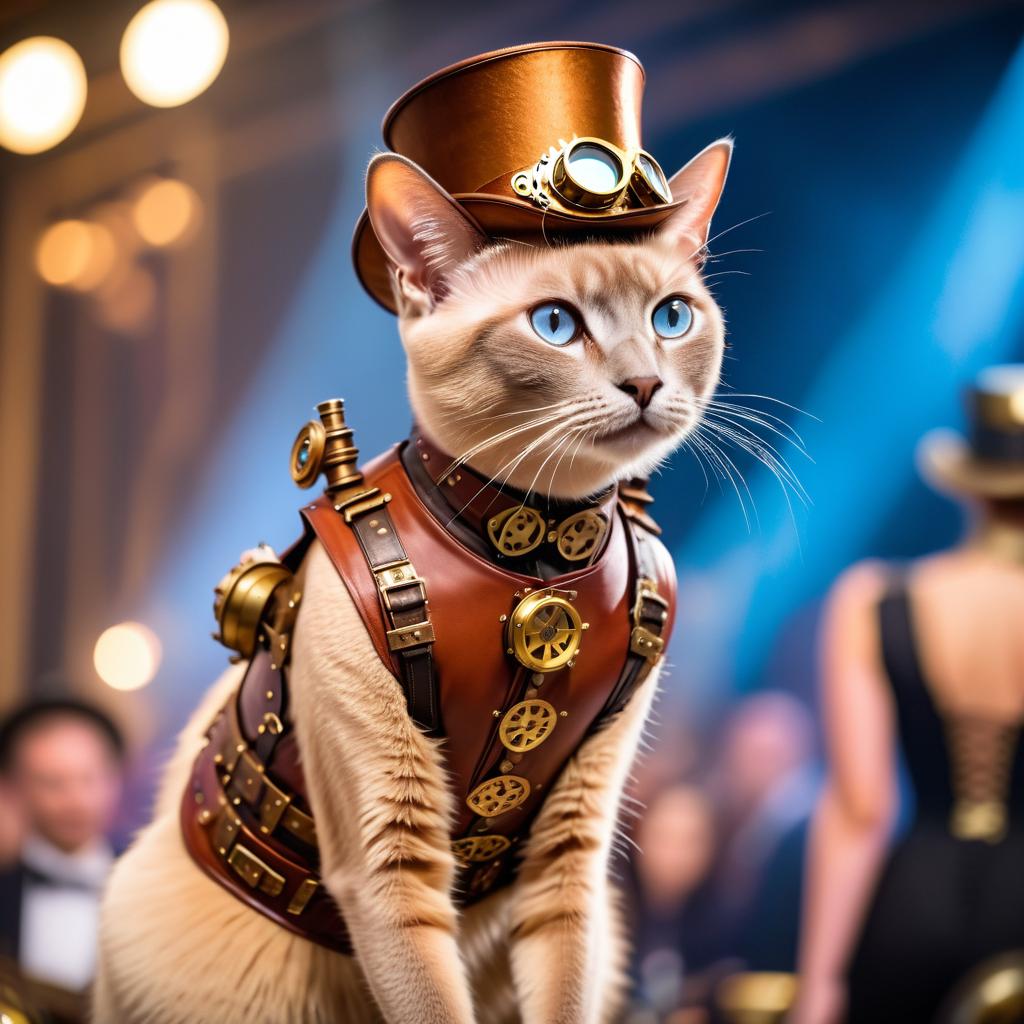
<point>655,177</point>
<point>595,169</point>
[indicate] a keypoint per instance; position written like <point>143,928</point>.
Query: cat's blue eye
<point>673,317</point>
<point>555,323</point>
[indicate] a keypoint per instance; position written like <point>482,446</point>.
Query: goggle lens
<point>655,177</point>
<point>593,168</point>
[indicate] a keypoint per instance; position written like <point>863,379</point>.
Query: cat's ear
<point>700,183</point>
<point>423,231</point>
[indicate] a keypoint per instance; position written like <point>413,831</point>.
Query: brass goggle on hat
<point>533,140</point>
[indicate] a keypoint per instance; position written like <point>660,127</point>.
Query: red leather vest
<point>492,635</point>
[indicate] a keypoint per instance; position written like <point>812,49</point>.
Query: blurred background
<point>176,294</point>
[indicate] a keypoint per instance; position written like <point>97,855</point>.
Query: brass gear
<point>580,535</point>
<point>499,795</point>
<point>476,849</point>
<point>516,531</point>
<point>527,725</point>
<point>544,631</point>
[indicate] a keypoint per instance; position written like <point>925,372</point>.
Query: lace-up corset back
<point>967,771</point>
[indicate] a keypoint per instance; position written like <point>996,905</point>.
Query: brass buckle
<point>416,633</point>
<point>397,576</point>
<point>254,872</point>
<point>642,640</point>
<point>360,502</point>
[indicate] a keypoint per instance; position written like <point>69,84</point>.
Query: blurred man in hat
<point>925,660</point>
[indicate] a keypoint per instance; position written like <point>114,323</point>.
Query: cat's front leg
<point>568,956</point>
<point>383,809</point>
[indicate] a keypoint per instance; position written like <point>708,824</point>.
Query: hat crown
<point>498,112</point>
<point>996,400</point>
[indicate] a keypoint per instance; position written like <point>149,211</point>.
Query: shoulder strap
<point>401,595</point>
<point>652,612</point>
<point>896,639</point>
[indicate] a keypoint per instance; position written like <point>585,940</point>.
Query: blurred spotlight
<point>165,212</point>
<point>127,655</point>
<point>75,254</point>
<point>42,93</point>
<point>173,49</point>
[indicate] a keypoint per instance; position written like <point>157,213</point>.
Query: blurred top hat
<point>989,461</point>
<point>537,138</point>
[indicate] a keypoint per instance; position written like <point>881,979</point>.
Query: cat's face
<point>557,369</point>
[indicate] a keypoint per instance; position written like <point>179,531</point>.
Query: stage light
<point>127,656</point>
<point>42,93</point>
<point>165,212</point>
<point>75,254</point>
<point>173,49</point>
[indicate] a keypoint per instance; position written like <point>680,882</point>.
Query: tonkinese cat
<point>557,369</point>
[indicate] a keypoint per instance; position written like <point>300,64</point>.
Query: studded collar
<point>538,535</point>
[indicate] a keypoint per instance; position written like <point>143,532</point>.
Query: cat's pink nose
<point>641,389</point>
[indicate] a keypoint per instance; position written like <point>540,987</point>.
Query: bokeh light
<point>127,655</point>
<point>172,50</point>
<point>75,254</point>
<point>166,212</point>
<point>42,93</point>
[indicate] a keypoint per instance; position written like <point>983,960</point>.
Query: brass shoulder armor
<point>256,602</point>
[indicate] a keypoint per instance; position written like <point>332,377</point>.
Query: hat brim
<point>946,461</point>
<point>499,217</point>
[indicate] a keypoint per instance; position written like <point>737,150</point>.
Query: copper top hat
<point>989,461</point>
<point>490,130</point>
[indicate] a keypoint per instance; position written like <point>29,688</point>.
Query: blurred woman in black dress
<point>925,660</point>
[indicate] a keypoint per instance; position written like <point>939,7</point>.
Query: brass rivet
<point>237,800</point>
<point>270,694</point>
<point>503,618</point>
<point>199,798</point>
<point>585,625</point>
<point>509,651</point>
<point>538,677</point>
<point>563,714</point>
<point>204,816</point>
<point>507,766</point>
<point>531,692</point>
<point>375,522</point>
<point>496,714</point>
<point>383,530</point>
<point>425,456</point>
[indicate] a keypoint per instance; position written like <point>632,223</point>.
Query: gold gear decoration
<point>580,535</point>
<point>544,631</point>
<point>516,531</point>
<point>242,600</point>
<point>527,725</point>
<point>498,795</point>
<point>476,849</point>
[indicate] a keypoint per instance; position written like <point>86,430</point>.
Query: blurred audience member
<point>764,786</point>
<point>61,766</point>
<point>673,928</point>
<point>927,661</point>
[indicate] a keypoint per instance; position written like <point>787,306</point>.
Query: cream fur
<point>177,948</point>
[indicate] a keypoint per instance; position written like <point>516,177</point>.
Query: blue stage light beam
<point>952,305</point>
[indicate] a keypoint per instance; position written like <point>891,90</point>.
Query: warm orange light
<point>165,212</point>
<point>75,254</point>
<point>172,50</point>
<point>127,656</point>
<point>42,93</point>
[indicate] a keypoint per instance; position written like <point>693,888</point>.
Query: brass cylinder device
<point>325,446</point>
<point>242,603</point>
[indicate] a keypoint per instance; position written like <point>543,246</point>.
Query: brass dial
<point>527,725</point>
<point>498,795</point>
<point>544,631</point>
<point>516,531</point>
<point>581,534</point>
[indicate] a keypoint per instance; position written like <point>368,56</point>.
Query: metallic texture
<point>472,126</point>
<point>498,795</point>
<point>516,531</point>
<point>526,725</point>
<point>243,599</point>
<point>474,849</point>
<point>544,631</point>
<point>579,536</point>
<point>325,446</point>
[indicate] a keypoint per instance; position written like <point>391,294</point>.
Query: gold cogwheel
<point>496,796</point>
<point>581,534</point>
<point>544,631</point>
<point>516,531</point>
<point>474,849</point>
<point>527,725</point>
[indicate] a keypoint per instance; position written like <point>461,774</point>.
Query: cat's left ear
<point>423,231</point>
<point>700,183</point>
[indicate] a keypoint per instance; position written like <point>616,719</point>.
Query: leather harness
<point>515,669</point>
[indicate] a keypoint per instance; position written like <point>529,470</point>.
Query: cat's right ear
<point>423,231</point>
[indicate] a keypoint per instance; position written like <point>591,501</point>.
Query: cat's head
<point>558,368</point>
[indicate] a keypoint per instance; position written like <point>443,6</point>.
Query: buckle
<point>397,576</point>
<point>647,590</point>
<point>643,640</point>
<point>361,502</point>
<point>254,872</point>
<point>413,635</point>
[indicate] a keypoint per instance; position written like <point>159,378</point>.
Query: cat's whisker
<point>733,473</point>
<point>740,422</point>
<point>725,231</point>
<point>762,449</point>
<point>766,419</point>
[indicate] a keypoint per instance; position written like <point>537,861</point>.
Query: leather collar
<point>504,523</point>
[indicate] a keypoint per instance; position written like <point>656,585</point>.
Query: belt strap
<point>403,600</point>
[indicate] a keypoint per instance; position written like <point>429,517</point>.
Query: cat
<point>549,948</point>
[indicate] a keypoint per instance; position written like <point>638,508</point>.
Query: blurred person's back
<point>61,767</point>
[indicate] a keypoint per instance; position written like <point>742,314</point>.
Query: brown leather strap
<point>403,599</point>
